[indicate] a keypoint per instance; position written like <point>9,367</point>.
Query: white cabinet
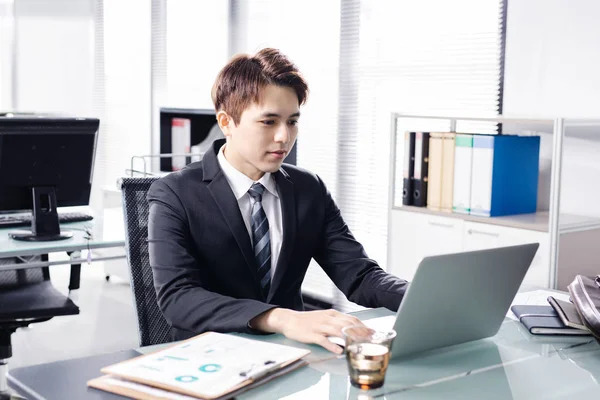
<point>414,236</point>
<point>417,233</point>
<point>479,236</point>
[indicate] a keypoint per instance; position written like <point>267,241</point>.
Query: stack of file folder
<point>484,175</point>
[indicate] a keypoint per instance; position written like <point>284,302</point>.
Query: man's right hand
<point>306,326</point>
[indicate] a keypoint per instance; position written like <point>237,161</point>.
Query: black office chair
<point>152,326</point>
<point>26,297</point>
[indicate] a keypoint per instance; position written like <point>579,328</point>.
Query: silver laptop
<point>457,298</point>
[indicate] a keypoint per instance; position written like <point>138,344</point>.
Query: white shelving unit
<point>466,232</point>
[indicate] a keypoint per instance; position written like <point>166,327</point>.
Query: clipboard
<point>218,366</point>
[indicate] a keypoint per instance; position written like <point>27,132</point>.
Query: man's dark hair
<point>243,79</point>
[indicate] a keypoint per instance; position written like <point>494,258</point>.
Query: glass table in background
<point>105,231</point>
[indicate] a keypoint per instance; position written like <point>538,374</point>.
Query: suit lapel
<point>221,192</point>
<point>285,188</point>
<point>224,198</point>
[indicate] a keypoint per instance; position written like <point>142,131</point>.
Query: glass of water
<point>368,354</point>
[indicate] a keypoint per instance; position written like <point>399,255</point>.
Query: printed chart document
<point>208,366</point>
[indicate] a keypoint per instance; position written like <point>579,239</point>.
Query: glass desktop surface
<point>511,365</point>
<point>107,230</point>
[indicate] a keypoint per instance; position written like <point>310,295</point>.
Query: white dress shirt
<point>240,184</point>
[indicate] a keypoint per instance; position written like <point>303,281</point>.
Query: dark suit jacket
<point>202,258</point>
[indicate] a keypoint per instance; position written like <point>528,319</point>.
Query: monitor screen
<point>52,153</point>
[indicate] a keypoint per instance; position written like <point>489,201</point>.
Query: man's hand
<point>307,326</point>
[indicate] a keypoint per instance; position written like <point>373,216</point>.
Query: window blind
<point>158,66</point>
<point>99,107</point>
<point>425,57</point>
<point>366,60</point>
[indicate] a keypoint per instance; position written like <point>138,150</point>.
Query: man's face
<point>265,134</point>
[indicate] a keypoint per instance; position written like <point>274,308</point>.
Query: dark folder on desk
<point>421,169</point>
<point>543,320</point>
<point>409,164</point>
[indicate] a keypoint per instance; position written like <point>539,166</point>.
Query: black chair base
<point>7,328</point>
<point>23,305</point>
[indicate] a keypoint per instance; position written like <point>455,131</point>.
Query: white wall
<point>54,57</point>
<point>127,79</point>
<point>551,70</point>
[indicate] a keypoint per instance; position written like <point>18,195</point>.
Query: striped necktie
<point>261,237</point>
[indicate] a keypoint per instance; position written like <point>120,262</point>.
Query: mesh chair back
<point>152,326</point>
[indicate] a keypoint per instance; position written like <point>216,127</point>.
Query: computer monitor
<point>45,163</point>
<point>183,128</point>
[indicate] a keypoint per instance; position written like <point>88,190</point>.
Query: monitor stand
<point>44,223</point>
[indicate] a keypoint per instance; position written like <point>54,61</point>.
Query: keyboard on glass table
<point>24,220</point>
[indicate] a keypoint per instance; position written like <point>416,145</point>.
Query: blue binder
<point>505,175</point>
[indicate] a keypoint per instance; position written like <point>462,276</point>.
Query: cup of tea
<point>368,354</point>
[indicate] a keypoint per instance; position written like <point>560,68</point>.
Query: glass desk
<point>511,365</point>
<point>105,231</point>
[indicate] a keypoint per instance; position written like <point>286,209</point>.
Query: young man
<point>231,236</point>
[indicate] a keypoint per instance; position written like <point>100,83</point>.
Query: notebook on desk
<point>209,366</point>
<point>567,313</point>
<point>544,320</point>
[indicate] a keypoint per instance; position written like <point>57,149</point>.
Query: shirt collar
<point>240,183</point>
